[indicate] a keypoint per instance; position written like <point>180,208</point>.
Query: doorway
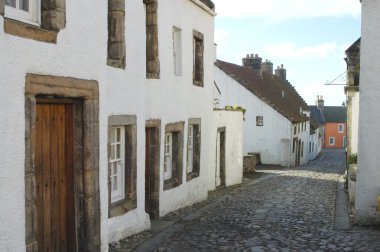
<point>152,168</point>
<point>54,175</point>
<point>220,171</point>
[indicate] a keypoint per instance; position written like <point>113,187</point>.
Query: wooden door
<point>152,188</point>
<point>54,176</point>
<point>220,173</point>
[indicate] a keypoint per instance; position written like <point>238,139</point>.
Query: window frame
<point>259,120</point>
<point>168,156</point>
<point>333,141</point>
<point>119,160</point>
<point>32,17</point>
<point>121,205</point>
<point>340,125</point>
<point>177,51</point>
<point>177,140</point>
<point>193,148</point>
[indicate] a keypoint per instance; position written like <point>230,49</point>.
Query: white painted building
<point>274,127</point>
<point>136,107</point>
<point>227,168</point>
<point>368,173</point>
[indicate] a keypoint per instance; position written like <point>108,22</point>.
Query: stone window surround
<point>152,58</point>
<point>116,51</point>
<point>87,168</point>
<point>196,149</point>
<point>177,172</point>
<point>198,69</point>
<point>130,167</point>
<point>53,19</point>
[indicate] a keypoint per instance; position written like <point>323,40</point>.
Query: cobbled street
<point>286,209</point>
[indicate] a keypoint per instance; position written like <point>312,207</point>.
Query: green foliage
<point>353,159</point>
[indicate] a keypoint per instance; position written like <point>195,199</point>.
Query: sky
<point>309,37</point>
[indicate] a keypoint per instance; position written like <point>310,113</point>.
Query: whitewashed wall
<point>81,52</point>
<point>368,177</point>
<point>233,123</point>
<point>174,98</point>
<point>267,139</point>
<point>354,123</point>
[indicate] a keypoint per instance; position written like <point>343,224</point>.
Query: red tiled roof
<point>269,89</point>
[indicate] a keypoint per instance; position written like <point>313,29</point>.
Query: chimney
<point>252,61</point>
<point>320,102</point>
<point>281,72</point>
<point>267,67</point>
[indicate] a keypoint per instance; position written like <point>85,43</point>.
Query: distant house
<point>276,119</point>
<point>333,119</point>
<point>315,139</point>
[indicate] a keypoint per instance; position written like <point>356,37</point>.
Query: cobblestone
<point>290,209</point>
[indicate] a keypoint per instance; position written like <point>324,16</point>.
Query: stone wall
<point>249,163</point>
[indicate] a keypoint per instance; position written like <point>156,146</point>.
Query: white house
<point>111,113</point>
<point>276,121</point>
<point>368,173</point>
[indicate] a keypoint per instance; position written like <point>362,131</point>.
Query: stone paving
<point>290,209</point>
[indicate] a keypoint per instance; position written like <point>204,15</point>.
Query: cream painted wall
<point>233,123</point>
<point>368,176</point>
<point>266,139</point>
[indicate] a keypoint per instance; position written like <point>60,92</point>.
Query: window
<point>198,59</point>
<point>177,51</point>
<point>259,121</point>
<point>122,167</point>
<point>168,156</point>
<point>117,163</point>
<point>309,147</point>
<point>331,140</point>
<point>295,129</point>
<point>340,128</point>
<point>193,148</point>
<point>27,11</point>
<point>173,155</point>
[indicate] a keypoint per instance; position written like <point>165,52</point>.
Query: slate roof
<point>209,4</point>
<point>269,89</point>
<point>316,114</point>
<point>355,47</point>
<point>329,114</point>
<point>335,114</point>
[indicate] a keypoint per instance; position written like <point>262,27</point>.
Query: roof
<point>316,114</point>
<point>328,114</point>
<point>355,47</point>
<point>269,89</point>
<point>335,114</point>
<point>209,4</point>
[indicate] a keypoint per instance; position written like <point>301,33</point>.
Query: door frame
<point>222,156</point>
<point>154,198</point>
<point>86,156</point>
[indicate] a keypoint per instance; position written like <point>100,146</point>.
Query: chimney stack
<point>281,72</point>
<point>267,67</point>
<point>252,61</point>
<point>320,102</point>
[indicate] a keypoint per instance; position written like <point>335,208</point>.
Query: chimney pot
<point>256,55</point>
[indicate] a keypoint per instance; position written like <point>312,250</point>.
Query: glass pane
<point>24,5</point>
<point>118,134</point>
<point>118,151</point>
<point>113,154</point>
<point>11,3</point>
<point>112,135</point>
<point>114,183</point>
<point>114,169</point>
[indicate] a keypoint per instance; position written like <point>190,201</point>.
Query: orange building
<point>332,120</point>
<point>335,135</point>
